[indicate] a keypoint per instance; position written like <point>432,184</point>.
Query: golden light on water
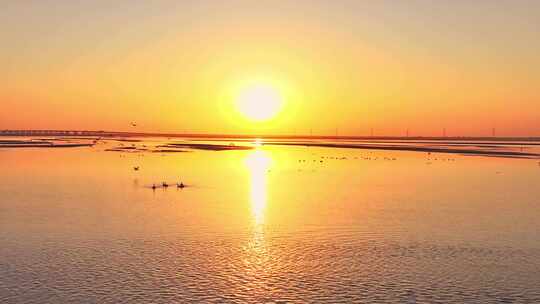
<point>258,142</point>
<point>258,163</point>
<point>256,256</point>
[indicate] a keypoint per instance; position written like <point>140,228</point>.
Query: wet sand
<point>485,151</point>
<point>505,149</point>
<point>212,147</point>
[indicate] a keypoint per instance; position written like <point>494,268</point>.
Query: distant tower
<point>407,133</point>
<point>444,132</point>
<point>372,132</point>
<point>493,132</point>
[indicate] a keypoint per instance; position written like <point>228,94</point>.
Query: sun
<point>259,102</point>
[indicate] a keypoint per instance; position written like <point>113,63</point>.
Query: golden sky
<point>179,66</point>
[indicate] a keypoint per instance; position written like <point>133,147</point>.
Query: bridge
<point>60,133</point>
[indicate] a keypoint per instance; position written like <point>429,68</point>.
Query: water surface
<point>271,223</point>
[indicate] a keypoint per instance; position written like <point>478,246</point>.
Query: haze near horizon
<point>276,67</point>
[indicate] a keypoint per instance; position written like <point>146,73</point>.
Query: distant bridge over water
<point>60,133</point>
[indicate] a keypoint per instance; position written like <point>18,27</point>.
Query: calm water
<point>273,224</point>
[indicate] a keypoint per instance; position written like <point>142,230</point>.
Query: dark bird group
<point>179,185</point>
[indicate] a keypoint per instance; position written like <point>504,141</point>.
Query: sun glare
<point>259,102</point>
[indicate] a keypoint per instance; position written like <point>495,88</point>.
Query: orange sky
<point>176,66</point>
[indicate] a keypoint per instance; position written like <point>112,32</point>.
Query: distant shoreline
<point>89,133</point>
<point>486,147</point>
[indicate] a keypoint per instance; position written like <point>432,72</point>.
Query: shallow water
<point>271,224</point>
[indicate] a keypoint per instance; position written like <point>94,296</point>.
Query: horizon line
<point>94,133</point>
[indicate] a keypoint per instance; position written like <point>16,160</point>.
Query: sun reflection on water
<point>257,262</point>
<point>258,164</point>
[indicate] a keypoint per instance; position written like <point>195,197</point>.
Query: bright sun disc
<point>259,102</point>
